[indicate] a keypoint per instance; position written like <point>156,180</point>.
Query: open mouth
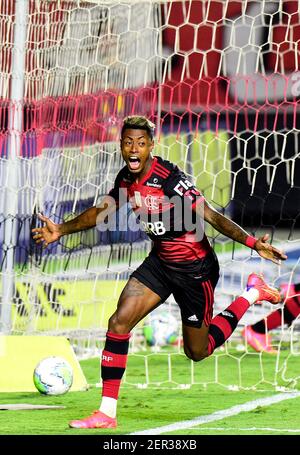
<point>134,162</point>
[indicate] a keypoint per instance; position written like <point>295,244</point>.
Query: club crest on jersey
<point>151,202</point>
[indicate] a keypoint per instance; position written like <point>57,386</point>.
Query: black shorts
<point>192,285</point>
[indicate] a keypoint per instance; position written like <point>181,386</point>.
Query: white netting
<point>220,80</point>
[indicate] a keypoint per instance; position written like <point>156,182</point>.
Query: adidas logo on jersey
<point>193,318</point>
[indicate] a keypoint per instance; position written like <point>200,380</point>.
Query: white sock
<point>109,406</point>
<point>251,295</point>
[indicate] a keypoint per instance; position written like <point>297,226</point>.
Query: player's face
<point>136,147</point>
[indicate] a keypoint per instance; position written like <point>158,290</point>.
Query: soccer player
<point>182,261</point>
<point>257,335</point>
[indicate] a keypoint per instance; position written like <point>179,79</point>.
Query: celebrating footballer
<point>182,262</point>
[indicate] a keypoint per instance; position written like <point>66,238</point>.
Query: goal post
<point>220,80</point>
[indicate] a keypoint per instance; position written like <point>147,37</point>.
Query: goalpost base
<point>19,355</point>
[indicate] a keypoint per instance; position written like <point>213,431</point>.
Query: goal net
<point>220,80</point>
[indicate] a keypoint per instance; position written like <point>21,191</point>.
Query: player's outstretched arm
<point>267,251</point>
<point>232,230</point>
<point>51,232</point>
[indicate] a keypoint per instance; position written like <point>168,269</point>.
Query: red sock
<point>273,320</point>
<point>222,325</point>
<point>113,363</point>
<point>290,311</point>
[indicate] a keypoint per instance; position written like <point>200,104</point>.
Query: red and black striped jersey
<point>164,201</point>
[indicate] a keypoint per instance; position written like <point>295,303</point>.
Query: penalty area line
<point>219,415</point>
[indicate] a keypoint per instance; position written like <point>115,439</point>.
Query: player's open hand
<point>267,251</point>
<point>49,233</point>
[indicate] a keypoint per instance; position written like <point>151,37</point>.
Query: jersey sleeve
<point>178,184</point>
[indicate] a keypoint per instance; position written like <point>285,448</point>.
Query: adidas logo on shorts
<point>193,318</point>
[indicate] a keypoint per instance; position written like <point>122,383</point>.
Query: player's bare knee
<point>117,325</point>
<point>196,354</point>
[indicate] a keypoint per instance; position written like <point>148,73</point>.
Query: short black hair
<point>138,122</point>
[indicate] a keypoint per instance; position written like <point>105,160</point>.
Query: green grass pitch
<point>141,409</point>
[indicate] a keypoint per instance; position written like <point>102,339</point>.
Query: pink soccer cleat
<point>96,420</point>
<point>265,291</point>
<point>260,342</point>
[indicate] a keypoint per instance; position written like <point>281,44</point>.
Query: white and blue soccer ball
<point>53,376</point>
<point>161,329</point>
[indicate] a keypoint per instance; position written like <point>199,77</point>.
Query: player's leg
<point>200,342</point>
<point>145,290</point>
<point>194,293</point>
<point>213,333</point>
<point>135,302</point>
<point>195,341</point>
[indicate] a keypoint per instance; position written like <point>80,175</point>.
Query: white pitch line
<point>219,415</point>
<point>256,429</point>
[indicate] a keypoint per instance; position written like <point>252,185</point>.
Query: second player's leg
<point>135,302</point>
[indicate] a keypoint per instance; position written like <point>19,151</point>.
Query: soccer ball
<point>162,329</point>
<point>53,376</point>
